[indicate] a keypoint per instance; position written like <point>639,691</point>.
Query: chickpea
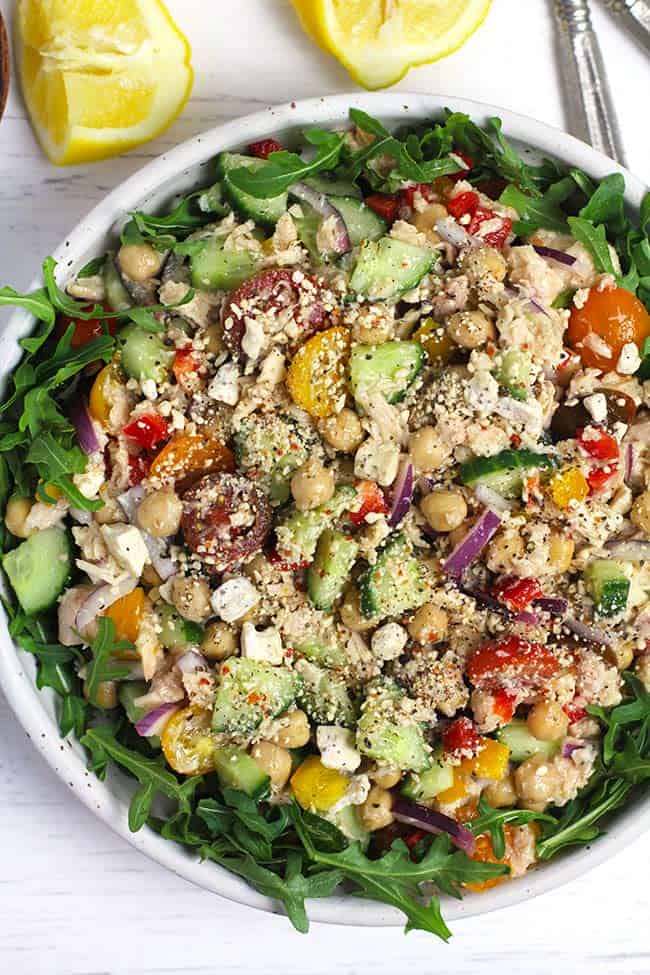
<point>429,625</point>
<point>312,485</point>
<point>375,813</point>
<point>373,330</point>
<point>547,721</point>
<point>640,514</point>
<point>642,670</point>
<point>470,329</point>
<point>504,548</point>
<point>16,514</point>
<point>501,793</point>
<point>160,513</point>
<point>536,781</point>
<point>458,534</point>
<point>384,777</point>
<point>293,730</point>
<point>621,654</point>
<point>485,261</point>
<point>191,597</point>
<point>139,261</point>
<point>444,510</point>
<point>425,221</point>
<point>219,641</point>
<point>427,450</point>
<point>151,578</point>
<point>343,431</point>
<point>105,696</point>
<point>273,760</point>
<point>351,614</point>
<point>560,552</point>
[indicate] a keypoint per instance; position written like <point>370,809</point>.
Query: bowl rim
<point>16,667</point>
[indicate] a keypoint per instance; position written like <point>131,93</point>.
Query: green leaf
<point>534,212</point>
<point>492,821</point>
<point>93,267</point>
<point>579,821</point>
<point>73,716</point>
<point>140,807</point>
<point>37,303</point>
<point>52,460</point>
<point>607,205</point>
<point>65,303</point>
<point>284,168</point>
<point>594,239</point>
<point>103,667</point>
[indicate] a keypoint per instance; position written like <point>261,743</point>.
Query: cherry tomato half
<point>384,205</point>
<point>148,430</point>
<point>85,331</point>
<point>614,318</point>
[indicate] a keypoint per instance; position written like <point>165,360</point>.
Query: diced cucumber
<point>39,568</point>
<point>515,372</point>
<point>248,691</point>
<point>212,267</point>
<point>117,296</point>
<point>273,446</point>
<point>504,472</point>
<point>212,201</point>
<point>308,226</point>
<point>389,369</point>
<point>386,268</point>
<point>263,211</point>
<point>388,736</point>
<point>395,583</point>
<point>522,744</point>
<point>298,536</point>
<point>237,770</point>
<point>324,695</point>
<point>332,186</point>
<point>608,586</point>
<point>176,632</point>
<point>347,820</point>
<point>144,354</point>
<point>129,691</point>
<point>329,572</point>
<point>362,223</point>
<point>427,785</point>
<point>324,654</point>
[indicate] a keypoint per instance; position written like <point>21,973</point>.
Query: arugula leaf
<point>534,212</point>
<point>578,823</point>
<point>64,302</point>
<point>74,715</point>
<point>103,667</point>
<point>492,821</point>
<point>37,303</point>
<point>140,806</point>
<point>93,267</point>
<point>607,205</point>
<point>52,460</point>
<point>283,169</point>
<point>594,239</point>
<point>183,218</point>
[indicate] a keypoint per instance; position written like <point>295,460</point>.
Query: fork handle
<point>636,15</point>
<point>589,104</point>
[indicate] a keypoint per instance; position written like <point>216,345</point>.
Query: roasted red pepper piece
<point>384,205</point>
<point>516,593</point>
<point>372,502</point>
<point>264,148</point>
<point>463,203</point>
<point>598,443</point>
<point>461,738</point>
<point>148,430</point>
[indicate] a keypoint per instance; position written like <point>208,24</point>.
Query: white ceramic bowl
<point>153,187</point>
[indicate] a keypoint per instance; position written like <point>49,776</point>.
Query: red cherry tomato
<point>384,205</point>
<point>461,739</point>
<point>598,443</point>
<point>504,705</point>
<point>598,477</point>
<point>85,330</point>
<point>264,148</point>
<point>512,663</point>
<point>372,502</point>
<point>186,364</point>
<point>495,238</point>
<point>516,593</point>
<point>148,430</point>
<point>607,321</point>
<point>463,203</point>
<point>574,712</point>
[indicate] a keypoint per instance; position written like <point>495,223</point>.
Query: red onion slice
<point>630,550</point>
<point>591,634</point>
<point>100,599</point>
<point>154,723</point>
<point>473,543</point>
<point>323,206</point>
<point>402,494</point>
<point>570,746</point>
<point>560,256</point>
<point>537,306</point>
<point>131,500</point>
<point>526,618</point>
<point>552,606</point>
<point>628,457</point>
<point>190,662</point>
<point>165,566</point>
<point>434,822</point>
<point>83,425</point>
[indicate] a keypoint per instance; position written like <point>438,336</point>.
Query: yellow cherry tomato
<point>127,615</point>
<point>192,454</point>
<point>438,346</point>
<point>457,791</point>
<point>103,392</point>
<point>569,486</point>
<point>188,743</point>
<point>316,376</point>
<point>317,787</point>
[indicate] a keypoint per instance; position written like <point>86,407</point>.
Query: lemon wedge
<point>379,40</point>
<point>100,76</point>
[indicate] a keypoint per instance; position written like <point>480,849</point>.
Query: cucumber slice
<point>389,369</point>
<point>347,820</point>
<point>324,695</point>
<point>265,211</point>
<point>333,187</point>
<point>515,373</point>
<point>212,201</point>
<point>362,223</point>
<point>395,584</point>
<point>127,694</point>
<point>326,655</point>
<point>308,226</point>
<point>237,770</point>
<point>176,632</point>
<point>298,537</point>
<point>117,296</point>
<point>261,446</point>
<point>214,268</point>
<point>329,572</point>
<point>522,744</point>
<point>608,586</point>
<point>248,691</point>
<point>391,739</point>
<point>429,784</point>
<point>144,354</point>
<point>386,268</point>
<point>504,472</point>
<point>39,568</point>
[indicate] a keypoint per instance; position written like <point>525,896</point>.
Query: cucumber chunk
<point>386,268</point>
<point>117,296</point>
<point>237,770</point>
<point>329,572</point>
<point>144,354</point>
<point>324,695</point>
<point>522,744</point>
<point>127,694</point>
<point>248,691</point>
<point>515,372</point>
<point>362,223</point>
<point>347,820</point>
<point>39,568</point>
<point>608,586</point>
<point>504,472</point>
<point>390,736</point>
<point>263,211</point>
<point>176,632</point>
<point>395,584</point>
<point>214,268</point>
<point>429,784</point>
<point>332,186</point>
<point>389,369</point>
<point>261,441</point>
<point>332,656</point>
<point>298,537</point>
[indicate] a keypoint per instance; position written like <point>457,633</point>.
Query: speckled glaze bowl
<point>178,171</point>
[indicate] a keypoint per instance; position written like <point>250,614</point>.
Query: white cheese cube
<point>254,339</point>
<point>126,544</point>
<point>629,359</point>
<point>596,404</point>
<point>388,641</point>
<point>90,481</point>
<point>376,460</point>
<point>264,645</point>
<point>336,746</point>
<point>225,386</point>
<point>234,598</point>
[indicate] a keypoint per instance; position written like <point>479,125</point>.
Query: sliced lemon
<point>100,76</point>
<point>379,40</point>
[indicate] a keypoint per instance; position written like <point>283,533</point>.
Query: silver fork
<point>636,16</point>
<point>589,105</point>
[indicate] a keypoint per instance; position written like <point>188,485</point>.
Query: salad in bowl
<point>326,511</point>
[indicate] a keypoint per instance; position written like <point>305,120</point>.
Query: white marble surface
<point>74,899</point>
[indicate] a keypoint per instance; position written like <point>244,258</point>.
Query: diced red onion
<point>325,208</point>
<point>190,662</point>
<point>165,566</point>
<point>628,461</point>
<point>526,618</point>
<point>452,233</point>
<point>551,605</point>
<point>402,495</point>
<point>431,821</point>
<point>154,723</point>
<point>83,425</point>
<point>100,599</point>
<point>570,746</point>
<point>537,306</point>
<point>634,550</point>
<point>560,256</point>
<point>131,500</point>
<point>591,634</point>
<point>491,499</point>
<point>472,544</point>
